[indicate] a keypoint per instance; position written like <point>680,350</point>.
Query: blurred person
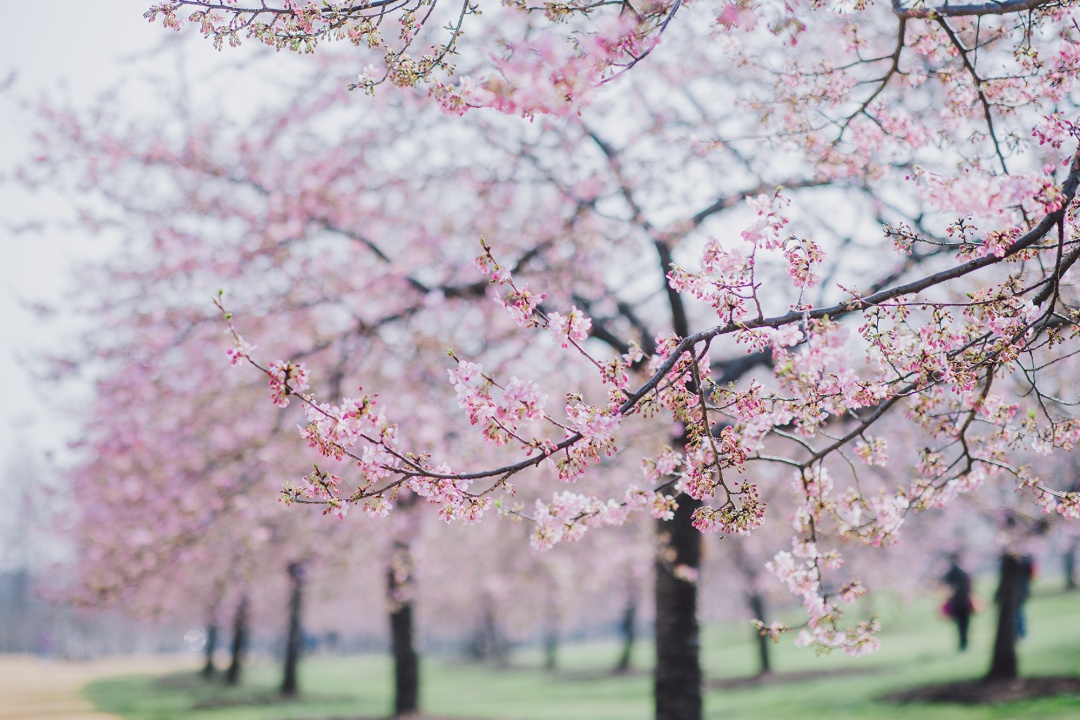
<point>959,606</point>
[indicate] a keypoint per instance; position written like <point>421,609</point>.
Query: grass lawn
<point>917,648</point>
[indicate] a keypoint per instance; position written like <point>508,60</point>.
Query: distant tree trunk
<point>289,683</point>
<point>1003,665</point>
<point>677,689</point>
<point>757,609</point>
<point>750,569</point>
<point>406,660</point>
<point>1069,561</point>
<point>239,642</point>
<point>551,627</point>
<point>500,653</point>
<point>208,669</point>
<point>551,646</point>
<point>489,645</point>
<point>628,627</point>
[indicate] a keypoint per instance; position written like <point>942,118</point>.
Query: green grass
<point>917,648</point>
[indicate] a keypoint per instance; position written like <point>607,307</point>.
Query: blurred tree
<point>691,255</point>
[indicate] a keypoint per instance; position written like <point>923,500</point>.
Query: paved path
<point>34,689</point>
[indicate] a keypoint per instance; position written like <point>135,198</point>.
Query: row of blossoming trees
<point>722,238</point>
<point>180,515</point>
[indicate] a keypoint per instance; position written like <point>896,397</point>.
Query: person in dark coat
<point>959,605</point>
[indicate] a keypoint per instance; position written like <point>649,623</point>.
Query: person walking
<point>959,605</point>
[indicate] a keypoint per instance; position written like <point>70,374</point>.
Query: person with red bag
<point>959,606</point>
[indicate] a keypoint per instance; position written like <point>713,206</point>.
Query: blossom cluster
<point>801,570</point>
<point>452,494</point>
<point>286,378</point>
<point>573,327</point>
<point>742,513</point>
<point>727,279</point>
<point>570,515</point>
<point>500,414</point>
<point>543,74</point>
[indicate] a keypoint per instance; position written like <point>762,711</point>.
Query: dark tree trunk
<point>678,668</point>
<point>289,682</point>
<point>406,660</point>
<point>208,670</point>
<point>239,642</point>
<point>1003,665</point>
<point>628,627</point>
<point>757,609</point>
<point>1069,561</point>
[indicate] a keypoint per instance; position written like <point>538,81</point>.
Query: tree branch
<point>930,12</point>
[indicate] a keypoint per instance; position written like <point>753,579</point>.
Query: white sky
<point>71,52</point>
<point>64,50</point>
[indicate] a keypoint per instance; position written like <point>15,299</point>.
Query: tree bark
<point>628,627</point>
<point>208,669</point>
<point>677,689</point>
<point>406,660</point>
<point>239,642</point>
<point>1003,664</point>
<point>757,609</point>
<point>289,682</point>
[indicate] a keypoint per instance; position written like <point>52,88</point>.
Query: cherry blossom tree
<point>834,215</point>
<point>151,382</point>
<point>1065,535</point>
<point>167,517</point>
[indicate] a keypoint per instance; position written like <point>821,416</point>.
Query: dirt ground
<point>983,692</point>
<point>35,689</point>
